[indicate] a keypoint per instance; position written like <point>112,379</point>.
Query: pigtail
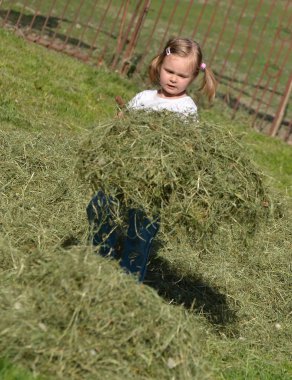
<point>154,69</point>
<point>209,83</point>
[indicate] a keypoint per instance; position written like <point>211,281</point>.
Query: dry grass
<point>69,314</point>
<point>192,175</point>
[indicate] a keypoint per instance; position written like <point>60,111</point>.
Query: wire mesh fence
<point>246,43</point>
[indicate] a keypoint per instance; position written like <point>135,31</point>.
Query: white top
<point>150,100</point>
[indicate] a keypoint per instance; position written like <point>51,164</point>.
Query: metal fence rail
<point>247,43</point>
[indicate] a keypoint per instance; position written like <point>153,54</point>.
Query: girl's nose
<point>173,78</point>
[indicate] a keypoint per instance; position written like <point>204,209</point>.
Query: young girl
<point>174,69</point>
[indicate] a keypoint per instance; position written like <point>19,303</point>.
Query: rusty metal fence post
<point>133,40</point>
<point>281,110</point>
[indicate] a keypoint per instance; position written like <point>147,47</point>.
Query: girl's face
<point>176,74</point>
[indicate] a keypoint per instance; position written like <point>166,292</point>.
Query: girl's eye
<point>172,72</point>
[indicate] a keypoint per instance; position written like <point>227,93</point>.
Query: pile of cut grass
<point>195,176</point>
<point>217,215</point>
<point>40,198</point>
<point>67,313</point>
<point>71,315</point>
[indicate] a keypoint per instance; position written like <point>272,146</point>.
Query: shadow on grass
<point>192,292</point>
<point>33,21</point>
<point>48,26</point>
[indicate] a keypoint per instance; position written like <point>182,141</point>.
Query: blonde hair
<point>185,47</point>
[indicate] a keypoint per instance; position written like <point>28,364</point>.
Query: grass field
<point>67,314</point>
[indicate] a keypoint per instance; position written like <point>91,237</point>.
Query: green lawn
<point>67,314</point>
<point>10,372</point>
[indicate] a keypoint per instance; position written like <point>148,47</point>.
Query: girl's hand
<point>120,102</point>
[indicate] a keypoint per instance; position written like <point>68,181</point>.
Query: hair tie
<point>203,66</point>
<point>167,51</point>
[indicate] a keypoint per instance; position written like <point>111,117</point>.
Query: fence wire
<point>247,43</point>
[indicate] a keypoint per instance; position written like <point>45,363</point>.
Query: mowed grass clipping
<point>219,310</point>
<point>193,175</point>
<point>68,313</point>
